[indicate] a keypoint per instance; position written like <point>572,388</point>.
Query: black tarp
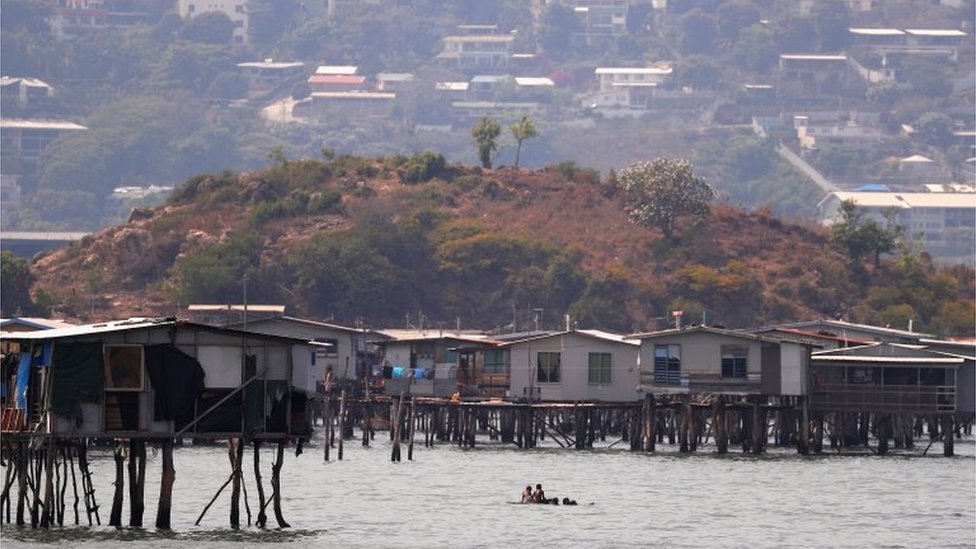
<point>177,379</point>
<point>76,377</point>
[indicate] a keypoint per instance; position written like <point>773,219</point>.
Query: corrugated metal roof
<point>134,324</point>
<point>634,70</point>
<point>876,32</point>
<point>337,69</point>
<point>336,79</point>
<point>935,32</point>
<point>40,124</point>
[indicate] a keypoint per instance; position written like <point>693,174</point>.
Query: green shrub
<point>324,202</point>
<point>422,167</point>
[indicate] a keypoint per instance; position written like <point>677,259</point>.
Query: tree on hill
<point>658,192</point>
<point>15,283</point>
<point>485,134</point>
<point>522,130</point>
<point>210,27</point>
<point>859,237</point>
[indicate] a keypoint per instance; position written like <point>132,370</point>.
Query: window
<point>123,368</point>
<point>330,350</point>
<point>667,364</point>
<point>547,367</point>
<point>600,366</point>
<point>494,361</point>
<point>734,360</point>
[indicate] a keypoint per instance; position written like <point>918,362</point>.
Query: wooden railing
<point>884,398</point>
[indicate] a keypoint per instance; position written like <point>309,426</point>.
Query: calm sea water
<point>452,497</point>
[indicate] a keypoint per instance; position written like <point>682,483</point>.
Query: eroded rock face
<point>196,240</point>
<point>132,251</point>
<point>255,189</point>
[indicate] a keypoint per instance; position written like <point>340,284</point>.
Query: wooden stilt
<point>22,466</point>
<point>235,489</point>
<point>262,517</point>
<point>719,426</point>
<point>342,422</point>
<point>276,483</point>
<point>412,427</point>
<point>326,426</point>
<point>91,506</point>
<point>115,519</point>
<point>803,438</point>
<point>137,481</point>
<point>47,513</point>
<point>167,479</point>
<point>948,443</point>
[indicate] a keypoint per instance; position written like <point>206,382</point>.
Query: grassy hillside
<point>354,238</point>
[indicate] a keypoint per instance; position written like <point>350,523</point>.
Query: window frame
<point>548,372</point>
<point>108,378</point>
<point>600,373</point>
<point>667,367</point>
<point>735,361</point>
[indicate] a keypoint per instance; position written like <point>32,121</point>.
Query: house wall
<point>342,358</point>
<point>220,356</point>
<point>701,353</point>
<point>574,369</point>
<point>966,388</point>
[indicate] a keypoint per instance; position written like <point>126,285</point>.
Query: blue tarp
<point>23,378</point>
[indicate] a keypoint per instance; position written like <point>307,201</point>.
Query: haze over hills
<point>367,240</point>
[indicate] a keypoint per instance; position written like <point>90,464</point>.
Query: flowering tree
<point>658,192</point>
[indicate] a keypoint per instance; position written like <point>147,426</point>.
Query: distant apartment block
<point>611,78</point>
<point>355,105</point>
<point>943,43</point>
<point>602,16</point>
<point>235,9</point>
<point>25,140</point>
<point>943,222</point>
<point>485,50</point>
<point>73,18</point>
<point>817,78</point>
<point>393,81</point>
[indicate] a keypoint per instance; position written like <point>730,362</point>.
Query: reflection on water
<point>453,497</point>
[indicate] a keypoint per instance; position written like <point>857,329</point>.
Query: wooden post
<point>803,438</point>
<point>691,425</point>
<point>115,519</point>
<point>166,486</point>
<point>276,482</point>
<point>758,427</point>
<point>818,434</point>
<point>22,464</point>
<point>235,489</point>
<point>74,486</point>
<point>91,506</point>
<point>47,514</point>
<point>137,481</point>
<point>262,517</point>
<point>412,428</point>
<point>683,421</point>
<point>342,421</point>
<point>396,415</point>
<point>327,427</point>
<point>882,423</point>
<point>719,426</point>
<point>948,442</point>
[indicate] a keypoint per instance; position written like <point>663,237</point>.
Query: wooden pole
<point>91,506</point>
<point>137,481</point>
<point>948,436</point>
<point>74,485</point>
<point>413,425</point>
<point>235,489</point>
<point>47,514</point>
<point>719,425</point>
<point>262,517</point>
<point>327,427</point>
<point>276,483</point>
<point>342,421</point>
<point>166,486</point>
<point>396,415</point>
<point>803,439</point>
<point>115,519</point>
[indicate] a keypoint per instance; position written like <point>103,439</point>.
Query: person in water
<point>539,496</point>
<point>527,494</point>
<point>567,501</point>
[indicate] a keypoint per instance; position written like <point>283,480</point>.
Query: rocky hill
<point>352,238</point>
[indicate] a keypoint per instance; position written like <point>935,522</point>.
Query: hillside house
<point>855,131</point>
<point>486,86</point>
<point>29,93</point>
<point>575,365</point>
<point>614,78</point>
<point>325,83</point>
<point>482,51</point>
<point>944,223</point>
<point>25,139</point>
<point>465,113</point>
<point>816,78</point>
<point>393,81</point>
<point>152,378</point>
<point>269,74</point>
<point>75,18</point>
<point>602,16</point>
<point>236,10</point>
<point>894,378</point>
<point>714,360</point>
<point>853,333</point>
